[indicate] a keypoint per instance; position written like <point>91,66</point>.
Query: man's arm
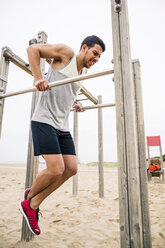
<point>78,106</point>
<point>59,52</point>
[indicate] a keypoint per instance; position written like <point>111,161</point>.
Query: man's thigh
<point>70,161</point>
<point>54,161</point>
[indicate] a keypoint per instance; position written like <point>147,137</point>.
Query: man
<point>50,131</point>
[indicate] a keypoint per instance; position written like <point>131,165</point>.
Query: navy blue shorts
<point>48,140</point>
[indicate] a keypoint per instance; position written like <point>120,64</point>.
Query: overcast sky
<point>69,22</point>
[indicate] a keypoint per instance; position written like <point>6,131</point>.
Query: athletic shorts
<point>49,140</point>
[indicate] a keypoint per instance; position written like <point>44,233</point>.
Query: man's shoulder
<point>65,50</point>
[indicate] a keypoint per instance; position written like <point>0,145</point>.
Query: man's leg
<point>70,169</point>
<point>54,170</point>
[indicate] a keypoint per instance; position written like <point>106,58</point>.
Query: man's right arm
<point>59,52</point>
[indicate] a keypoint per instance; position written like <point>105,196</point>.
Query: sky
<point>69,22</point>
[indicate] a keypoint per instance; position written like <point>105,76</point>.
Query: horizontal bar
<point>83,99</point>
<point>96,106</point>
<point>59,82</point>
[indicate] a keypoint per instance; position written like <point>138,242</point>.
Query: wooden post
<point>75,137</point>
<point>127,144</point>
<point>142,156</point>
<point>4,68</point>
<point>100,149</point>
<point>149,159</point>
<point>161,157</point>
<point>32,161</point>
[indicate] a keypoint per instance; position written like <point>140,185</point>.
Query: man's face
<point>91,55</point>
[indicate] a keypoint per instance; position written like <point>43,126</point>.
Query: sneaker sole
<point>25,193</point>
<point>26,218</point>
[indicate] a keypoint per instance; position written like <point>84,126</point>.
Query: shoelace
<point>37,214</point>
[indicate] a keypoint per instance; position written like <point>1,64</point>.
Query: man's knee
<point>55,171</point>
<point>69,172</point>
<point>55,166</point>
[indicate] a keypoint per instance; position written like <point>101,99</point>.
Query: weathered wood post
<point>127,142</point>
<point>100,149</point>
<point>32,161</point>
<point>142,155</point>
<point>75,137</point>
<point>4,68</point>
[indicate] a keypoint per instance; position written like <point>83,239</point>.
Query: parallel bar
<point>60,82</point>
<point>83,99</point>
<point>97,106</point>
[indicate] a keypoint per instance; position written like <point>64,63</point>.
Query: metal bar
<point>83,99</point>
<point>96,106</point>
<point>60,82</point>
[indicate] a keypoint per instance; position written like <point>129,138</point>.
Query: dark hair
<point>90,41</point>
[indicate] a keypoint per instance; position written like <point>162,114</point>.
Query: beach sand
<point>83,221</point>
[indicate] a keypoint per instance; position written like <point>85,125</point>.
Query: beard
<point>85,61</point>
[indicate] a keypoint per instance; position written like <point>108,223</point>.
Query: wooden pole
<point>4,68</point>
<point>32,161</point>
<point>142,156</point>
<point>100,149</point>
<point>127,145</point>
<point>75,137</point>
<point>161,156</point>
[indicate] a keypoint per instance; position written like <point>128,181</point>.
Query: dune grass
<point>106,164</point>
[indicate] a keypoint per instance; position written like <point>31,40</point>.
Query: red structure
<point>155,165</point>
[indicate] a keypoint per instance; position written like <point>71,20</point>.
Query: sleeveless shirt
<point>53,106</point>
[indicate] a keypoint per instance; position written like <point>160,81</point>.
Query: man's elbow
<point>32,49</point>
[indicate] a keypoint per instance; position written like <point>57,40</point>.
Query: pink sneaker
<point>37,210</point>
<point>26,193</point>
<point>30,216</point>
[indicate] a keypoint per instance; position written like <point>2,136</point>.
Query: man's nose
<point>96,59</point>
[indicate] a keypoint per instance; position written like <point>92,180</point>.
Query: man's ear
<point>84,48</point>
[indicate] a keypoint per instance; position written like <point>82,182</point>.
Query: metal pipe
<point>60,82</point>
<point>96,106</point>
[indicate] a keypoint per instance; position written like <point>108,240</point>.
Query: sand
<point>83,221</point>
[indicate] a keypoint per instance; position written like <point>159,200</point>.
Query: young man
<point>50,131</point>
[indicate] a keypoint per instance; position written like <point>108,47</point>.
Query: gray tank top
<point>53,107</point>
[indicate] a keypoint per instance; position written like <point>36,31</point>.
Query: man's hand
<point>78,107</point>
<point>42,85</point>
